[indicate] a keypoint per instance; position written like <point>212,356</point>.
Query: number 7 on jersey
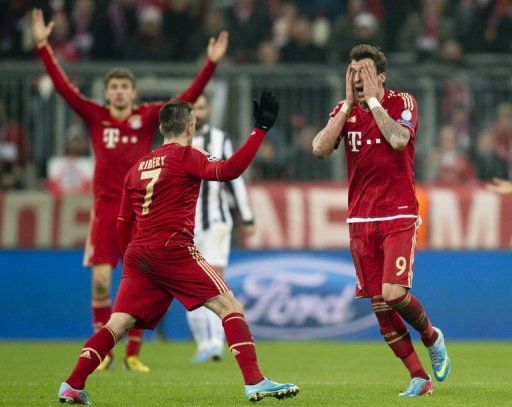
<point>153,176</point>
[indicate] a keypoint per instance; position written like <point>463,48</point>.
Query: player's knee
<point>120,323</point>
<point>100,286</point>
<point>391,292</point>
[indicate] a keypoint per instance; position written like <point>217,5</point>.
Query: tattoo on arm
<point>395,134</point>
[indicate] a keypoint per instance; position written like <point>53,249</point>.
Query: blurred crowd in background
<point>267,33</point>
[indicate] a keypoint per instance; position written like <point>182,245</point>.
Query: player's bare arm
<point>217,47</point>
<point>40,30</point>
<point>326,139</point>
<point>501,186</point>
<point>395,134</point>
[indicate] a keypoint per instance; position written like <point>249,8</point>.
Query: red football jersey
<point>161,190</point>
<point>117,144</point>
<point>381,180</point>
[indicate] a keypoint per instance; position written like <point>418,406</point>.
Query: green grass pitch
<point>328,374</point>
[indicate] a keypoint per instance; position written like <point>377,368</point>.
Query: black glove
<point>265,113</point>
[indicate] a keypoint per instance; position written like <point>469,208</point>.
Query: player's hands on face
<point>40,31</point>
<point>500,186</point>
<point>265,112</point>
<point>217,47</point>
<point>370,81</point>
<point>349,89</point>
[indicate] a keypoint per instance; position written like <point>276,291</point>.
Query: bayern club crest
<point>135,122</point>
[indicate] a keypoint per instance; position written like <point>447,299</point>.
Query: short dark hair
<point>363,51</point>
<point>174,117</point>
<point>120,73</point>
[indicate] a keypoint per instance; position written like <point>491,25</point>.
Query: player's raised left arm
<point>394,133</point>
<point>217,48</point>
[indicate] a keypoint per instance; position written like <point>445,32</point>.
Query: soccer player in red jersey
<point>161,262</point>
<point>378,127</point>
<point>121,133</point>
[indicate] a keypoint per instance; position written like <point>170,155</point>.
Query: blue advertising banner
<point>289,295</point>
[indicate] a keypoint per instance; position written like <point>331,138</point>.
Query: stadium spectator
<point>300,48</point>
<point>488,164</point>
<point>12,151</point>
<point>178,20</point>
<point>424,31</point>
<point>150,42</point>
<point>61,41</point>
<point>451,53</point>
<point>288,12</point>
<point>213,23</point>
<point>345,31</point>
<point>251,24</point>
<point>268,54</point>
<point>453,166</point>
<point>82,15</point>
<point>114,25</point>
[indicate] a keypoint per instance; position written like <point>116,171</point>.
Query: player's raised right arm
<point>41,32</point>
<point>328,139</point>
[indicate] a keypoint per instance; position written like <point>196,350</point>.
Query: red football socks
<point>397,337</point>
<point>93,352</point>
<point>133,342</point>
<point>411,310</point>
<point>241,344</point>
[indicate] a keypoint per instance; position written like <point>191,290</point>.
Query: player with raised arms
<point>378,128</point>
<point>121,133</point>
<point>161,262</point>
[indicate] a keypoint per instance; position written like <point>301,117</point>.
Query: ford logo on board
<point>299,296</point>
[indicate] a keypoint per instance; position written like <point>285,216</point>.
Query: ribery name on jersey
<point>152,163</point>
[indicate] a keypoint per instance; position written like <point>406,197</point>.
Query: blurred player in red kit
<point>378,128</point>
<point>161,262</point>
<point>121,133</point>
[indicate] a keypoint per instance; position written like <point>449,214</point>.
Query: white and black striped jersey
<point>213,203</point>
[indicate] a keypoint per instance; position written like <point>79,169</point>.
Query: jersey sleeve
<point>201,164</point>
<point>83,106</point>
<point>238,189</point>
<point>405,112</point>
<point>191,93</point>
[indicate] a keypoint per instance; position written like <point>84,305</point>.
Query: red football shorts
<point>383,252</point>
<point>153,276</point>
<point>102,246</point>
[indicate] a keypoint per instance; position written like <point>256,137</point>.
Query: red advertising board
<point>288,215</point>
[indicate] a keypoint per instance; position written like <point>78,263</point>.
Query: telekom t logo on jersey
<point>355,140</point>
<point>111,137</point>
